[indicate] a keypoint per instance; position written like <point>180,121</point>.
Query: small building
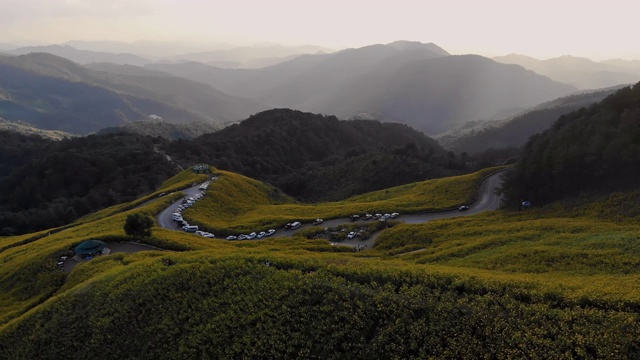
<point>90,248</point>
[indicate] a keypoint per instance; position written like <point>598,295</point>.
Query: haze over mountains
<point>418,84</point>
<point>56,94</point>
<point>579,72</point>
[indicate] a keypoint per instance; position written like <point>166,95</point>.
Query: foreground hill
<point>579,72</point>
<point>56,94</point>
<point>28,129</point>
<point>481,135</point>
<point>590,150</point>
<point>420,84</point>
<point>315,157</point>
<point>537,284</point>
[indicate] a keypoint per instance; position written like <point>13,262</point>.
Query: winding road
<point>488,199</point>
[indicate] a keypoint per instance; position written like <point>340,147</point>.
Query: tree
<point>138,226</point>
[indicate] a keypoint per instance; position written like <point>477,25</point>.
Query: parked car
<point>271,232</point>
<point>367,216</point>
<point>296,224</point>
<point>318,222</point>
<point>394,215</point>
<point>376,216</point>
<point>261,234</point>
<point>190,228</point>
<point>463,208</point>
<point>242,237</point>
<point>209,236</point>
<point>232,237</point>
<point>60,263</point>
<point>351,235</point>
<point>287,226</point>
<point>355,217</point>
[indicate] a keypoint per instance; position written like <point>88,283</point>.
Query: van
<point>190,228</point>
<point>295,225</point>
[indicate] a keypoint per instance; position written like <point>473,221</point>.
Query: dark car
<point>355,217</point>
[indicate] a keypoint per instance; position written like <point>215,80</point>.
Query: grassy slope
<point>241,204</point>
<point>508,275</point>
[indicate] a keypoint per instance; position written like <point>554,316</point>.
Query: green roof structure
<point>90,247</point>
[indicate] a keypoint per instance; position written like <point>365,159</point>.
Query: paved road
<point>488,199</point>
<point>165,218</point>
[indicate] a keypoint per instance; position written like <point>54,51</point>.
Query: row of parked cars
<point>381,217</point>
<point>252,235</point>
<point>177,217</point>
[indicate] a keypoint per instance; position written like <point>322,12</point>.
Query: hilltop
<point>316,157</point>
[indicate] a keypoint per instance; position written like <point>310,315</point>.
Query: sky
<point>598,29</point>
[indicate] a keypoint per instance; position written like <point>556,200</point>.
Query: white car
<point>351,235</point>
<point>251,236</point>
<point>394,215</point>
<point>271,232</point>
<point>209,236</point>
<point>242,237</point>
<point>318,222</point>
<point>261,235</point>
<point>231,237</point>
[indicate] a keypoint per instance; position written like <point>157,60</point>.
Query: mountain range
<point>414,83</point>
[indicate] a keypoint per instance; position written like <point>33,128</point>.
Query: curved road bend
<point>488,199</point>
<point>165,217</point>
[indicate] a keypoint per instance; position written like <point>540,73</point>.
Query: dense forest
<point>314,157</point>
<point>52,183</point>
<point>595,149</point>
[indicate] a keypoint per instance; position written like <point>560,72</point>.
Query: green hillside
<point>554,282</point>
<point>590,150</point>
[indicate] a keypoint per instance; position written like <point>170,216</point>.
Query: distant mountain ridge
<point>56,94</point>
<point>164,129</point>
<point>477,136</point>
<point>579,72</point>
<point>82,56</point>
<point>420,84</point>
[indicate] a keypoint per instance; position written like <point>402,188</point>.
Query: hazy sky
<point>599,29</point>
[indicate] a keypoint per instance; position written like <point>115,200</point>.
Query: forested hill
<point>293,150</point>
<point>591,150</point>
<point>51,183</point>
